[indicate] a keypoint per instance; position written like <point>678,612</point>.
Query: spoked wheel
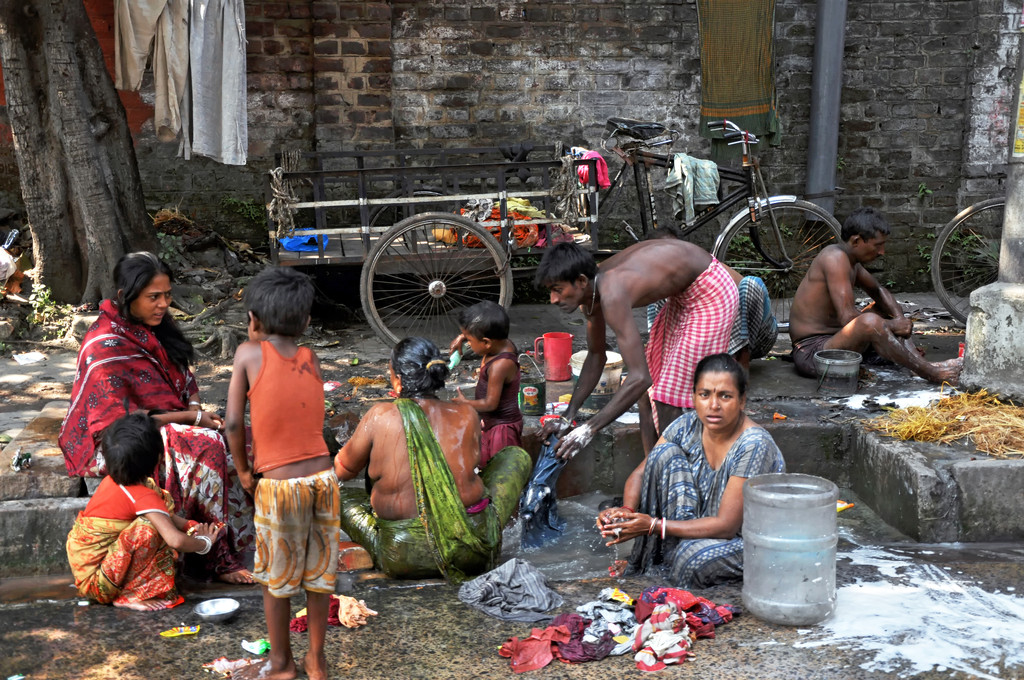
<point>805,228</point>
<point>424,269</point>
<point>966,255</point>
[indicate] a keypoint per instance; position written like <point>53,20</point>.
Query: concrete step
<point>930,492</point>
<point>46,477</point>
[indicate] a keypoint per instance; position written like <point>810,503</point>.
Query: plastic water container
<point>789,548</point>
<point>838,371</point>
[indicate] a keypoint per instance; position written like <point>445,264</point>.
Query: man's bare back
<point>653,270</point>
<point>379,444</point>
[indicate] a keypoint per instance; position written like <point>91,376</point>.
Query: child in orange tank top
<point>293,484</point>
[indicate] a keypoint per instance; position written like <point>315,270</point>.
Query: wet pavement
<point>905,609</point>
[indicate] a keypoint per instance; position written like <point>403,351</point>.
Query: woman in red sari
<point>136,358</point>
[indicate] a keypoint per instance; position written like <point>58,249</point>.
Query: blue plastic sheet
<point>300,243</point>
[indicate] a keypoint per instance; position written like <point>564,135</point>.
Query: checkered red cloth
<point>691,326</point>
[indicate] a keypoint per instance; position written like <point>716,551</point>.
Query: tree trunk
<point>79,178</point>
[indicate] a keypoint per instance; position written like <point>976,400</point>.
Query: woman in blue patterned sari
<point>684,503</point>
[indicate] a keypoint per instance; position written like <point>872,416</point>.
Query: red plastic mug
<point>555,349</point>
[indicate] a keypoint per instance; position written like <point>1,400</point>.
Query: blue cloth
<point>300,243</point>
<point>679,484</point>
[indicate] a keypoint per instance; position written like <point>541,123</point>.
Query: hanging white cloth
<point>216,96</point>
<point>160,27</point>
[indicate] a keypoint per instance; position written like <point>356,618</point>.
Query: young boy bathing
<point>296,495</point>
<point>121,548</point>
<point>485,327</point>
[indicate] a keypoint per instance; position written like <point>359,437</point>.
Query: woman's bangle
<point>654,523</point>
<point>206,548</point>
<point>194,403</point>
<point>199,417</point>
<point>663,528</point>
<point>626,507</point>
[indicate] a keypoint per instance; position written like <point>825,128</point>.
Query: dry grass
<point>995,427</point>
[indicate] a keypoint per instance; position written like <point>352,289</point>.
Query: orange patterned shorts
<point>297,531</point>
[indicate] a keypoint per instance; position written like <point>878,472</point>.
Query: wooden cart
<point>434,230</point>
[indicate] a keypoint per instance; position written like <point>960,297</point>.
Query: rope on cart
<point>564,189</point>
<point>282,203</point>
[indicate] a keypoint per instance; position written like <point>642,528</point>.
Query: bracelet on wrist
<point>626,507</point>
<point>650,529</point>
<point>663,528</point>
<point>194,403</point>
<point>208,544</point>
<point>199,418</point>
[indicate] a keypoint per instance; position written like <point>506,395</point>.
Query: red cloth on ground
<point>536,651</point>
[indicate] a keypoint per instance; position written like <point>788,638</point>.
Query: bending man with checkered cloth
<point>695,322</point>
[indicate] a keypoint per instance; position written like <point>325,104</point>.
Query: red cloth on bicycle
<point>691,326</point>
<point>603,182</point>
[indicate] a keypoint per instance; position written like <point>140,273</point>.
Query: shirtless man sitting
<point>702,301</point>
<point>824,314</point>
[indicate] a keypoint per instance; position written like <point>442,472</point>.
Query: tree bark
<point>79,177</point>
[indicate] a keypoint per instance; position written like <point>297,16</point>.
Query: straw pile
<point>995,427</point>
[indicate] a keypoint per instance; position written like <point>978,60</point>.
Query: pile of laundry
<point>659,628</point>
<point>342,611</point>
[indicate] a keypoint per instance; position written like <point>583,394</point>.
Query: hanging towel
<point>602,170</point>
<point>216,97</point>
<point>737,70</point>
<point>692,181</point>
<point>160,28</point>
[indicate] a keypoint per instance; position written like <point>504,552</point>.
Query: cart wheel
<point>425,268</point>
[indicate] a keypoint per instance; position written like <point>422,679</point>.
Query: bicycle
<point>966,255</point>
<point>773,237</point>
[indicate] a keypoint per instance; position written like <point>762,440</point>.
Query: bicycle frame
<point>750,186</point>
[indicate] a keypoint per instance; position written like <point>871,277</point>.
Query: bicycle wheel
<point>425,268</point>
<point>966,255</point>
<point>805,228</point>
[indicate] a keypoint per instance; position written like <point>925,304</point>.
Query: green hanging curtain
<point>737,69</point>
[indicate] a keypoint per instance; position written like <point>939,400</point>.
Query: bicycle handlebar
<point>734,133</point>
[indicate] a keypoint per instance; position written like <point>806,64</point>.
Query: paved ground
<point>904,609</point>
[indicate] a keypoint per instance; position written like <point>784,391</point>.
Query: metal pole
<point>826,87</point>
<point>1011,250</point>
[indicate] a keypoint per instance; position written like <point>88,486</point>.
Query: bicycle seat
<point>637,129</point>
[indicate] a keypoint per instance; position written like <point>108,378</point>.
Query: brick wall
<point>927,87</point>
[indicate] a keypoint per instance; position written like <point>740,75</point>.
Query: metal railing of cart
<point>400,218</point>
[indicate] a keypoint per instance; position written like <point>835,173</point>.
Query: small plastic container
<point>789,548</point>
<point>838,371</point>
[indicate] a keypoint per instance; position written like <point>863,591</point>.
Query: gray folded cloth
<point>514,591</point>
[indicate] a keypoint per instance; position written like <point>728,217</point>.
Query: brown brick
<point>353,48</point>
<point>299,10</point>
<point>275,10</point>
<point>324,11</point>
<point>381,31</point>
<point>326,48</point>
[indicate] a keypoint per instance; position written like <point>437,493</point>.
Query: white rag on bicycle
<point>691,326</point>
<point>693,181</point>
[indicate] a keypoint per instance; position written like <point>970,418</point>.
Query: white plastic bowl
<point>219,609</point>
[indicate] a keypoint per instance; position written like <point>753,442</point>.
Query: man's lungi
<point>692,325</point>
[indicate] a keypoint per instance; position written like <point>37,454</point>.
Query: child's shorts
<point>297,531</point>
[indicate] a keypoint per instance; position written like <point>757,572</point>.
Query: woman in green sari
<point>428,512</point>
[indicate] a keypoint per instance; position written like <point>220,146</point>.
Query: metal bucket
<point>531,388</point>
